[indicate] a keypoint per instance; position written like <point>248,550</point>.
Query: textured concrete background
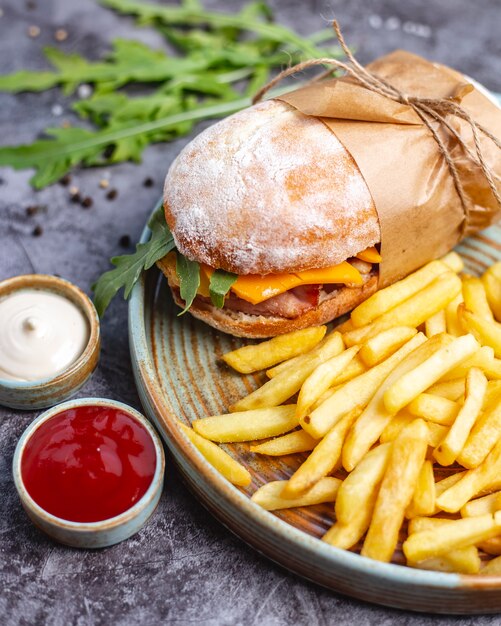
<point>183,567</point>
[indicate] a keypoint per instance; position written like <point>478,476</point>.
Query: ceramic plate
<point>178,376</point>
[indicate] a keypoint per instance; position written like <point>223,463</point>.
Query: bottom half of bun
<point>240,324</point>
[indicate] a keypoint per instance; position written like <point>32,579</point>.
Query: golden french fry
<point>463,560</point>
<point>488,333</point>
<point>492,283</point>
<point>355,368</point>
<point>491,546</point>
<point>371,424</point>
<point>450,448</point>
<point>453,261</point>
<point>484,434</point>
<point>391,430</point>
<point>492,568</point>
<point>225,464</point>
<point>288,382</point>
<point>385,299</point>
<point>453,324</point>
<point>248,425</point>
<point>423,500</point>
<point>356,498</point>
<point>483,359</point>
<point>323,459</point>
<point>397,487</point>
<point>457,534</point>
<point>487,504</point>
<point>436,324</point>
<point>321,379</point>
<point>345,326</point>
<point>436,433</point>
<point>424,375</point>
<point>492,395</point>
<point>297,441</point>
<point>330,345</point>
<point>434,408</point>
<point>452,389</point>
<point>381,346</point>
<point>270,496</point>
<point>475,298</point>
<point>472,482</point>
<point>412,312</point>
<point>356,392</point>
<point>262,355</point>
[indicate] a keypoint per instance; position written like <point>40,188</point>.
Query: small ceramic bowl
<point>92,534</point>
<point>39,394</point>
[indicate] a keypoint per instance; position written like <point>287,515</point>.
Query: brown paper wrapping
<point>420,214</point>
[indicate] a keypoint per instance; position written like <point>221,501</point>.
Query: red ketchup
<point>89,463</point>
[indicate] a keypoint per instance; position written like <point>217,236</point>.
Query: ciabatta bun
<point>268,190</point>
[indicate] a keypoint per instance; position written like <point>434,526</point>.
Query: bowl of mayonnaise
<point>49,340</point>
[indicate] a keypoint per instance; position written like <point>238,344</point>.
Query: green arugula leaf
<point>220,284</point>
<point>188,273</point>
<point>53,158</point>
<point>147,13</point>
<point>128,267</point>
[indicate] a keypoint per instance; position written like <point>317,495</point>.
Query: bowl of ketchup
<point>89,472</point>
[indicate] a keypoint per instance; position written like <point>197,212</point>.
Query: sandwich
<point>271,198</point>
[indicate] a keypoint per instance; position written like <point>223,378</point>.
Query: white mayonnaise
<point>41,334</point>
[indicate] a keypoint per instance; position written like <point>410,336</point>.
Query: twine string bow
<point>428,110</point>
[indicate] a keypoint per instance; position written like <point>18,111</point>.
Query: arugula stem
<point>183,16</point>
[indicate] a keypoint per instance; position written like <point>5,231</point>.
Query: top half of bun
<point>268,190</point>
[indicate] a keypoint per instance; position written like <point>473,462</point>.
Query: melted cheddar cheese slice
<point>255,288</point>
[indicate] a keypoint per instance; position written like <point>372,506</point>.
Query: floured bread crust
<point>268,190</point>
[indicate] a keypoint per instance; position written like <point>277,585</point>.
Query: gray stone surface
<point>183,567</point>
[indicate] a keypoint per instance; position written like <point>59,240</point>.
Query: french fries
<point>412,312</point>
<point>382,409</point>
<point>472,482</point>
<point>450,448</point>
<point>370,425</point>
<point>462,560</point>
<point>270,496</point>
<point>487,504</point>
<point>487,332</point>
<point>285,384</point>
<point>330,345</point>
<point>381,346</point>
<point>492,284</point>
<point>323,459</point>
<point>232,470</point>
<point>297,441</point>
<point>434,408</point>
<point>475,297</point>
<point>398,485</point>
<point>248,425</point>
<point>445,538</point>
<point>411,384</point>
<point>356,392</point>
<point>484,434</point>
<point>356,499</point>
<point>321,379</point>
<point>386,299</point>
<point>423,500</point>
<point>260,356</point>
<point>436,324</point>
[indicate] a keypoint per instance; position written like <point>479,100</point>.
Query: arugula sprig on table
<point>221,59</point>
<point>128,268</point>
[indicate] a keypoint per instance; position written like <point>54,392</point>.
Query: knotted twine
<point>427,109</point>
